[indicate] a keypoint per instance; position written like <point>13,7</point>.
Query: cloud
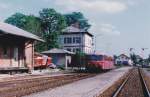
<point>4,5</point>
<point>105,29</point>
<point>92,6</point>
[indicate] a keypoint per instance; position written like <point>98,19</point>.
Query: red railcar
<point>42,61</point>
<point>99,62</point>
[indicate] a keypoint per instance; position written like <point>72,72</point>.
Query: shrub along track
<point>24,86</point>
<point>131,85</point>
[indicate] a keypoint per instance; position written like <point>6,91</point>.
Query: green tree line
<point>48,25</point>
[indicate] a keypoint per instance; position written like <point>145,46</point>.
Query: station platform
<point>90,87</point>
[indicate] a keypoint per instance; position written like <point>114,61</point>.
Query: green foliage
<point>33,25</point>
<point>148,59</point>
<point>48,25</point>
<point>18,20</point>
<point>77,17</point>
<point>52,24</point>
<point>78,60</point>
<point>134,59</point>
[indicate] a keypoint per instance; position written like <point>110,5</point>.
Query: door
<point>15,60</point>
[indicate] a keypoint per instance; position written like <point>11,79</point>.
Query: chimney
<point>76,25</point>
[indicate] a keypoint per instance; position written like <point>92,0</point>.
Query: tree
<point>33,25</point>
<point>52,25</point>
<point>78,60</point>
<point>134,59</point>
<point>29,23</point>
<point>48,26</point>
<point>77,17</point>
<point>18,20</point>
<point>148,58</point>
<point>115,57</point>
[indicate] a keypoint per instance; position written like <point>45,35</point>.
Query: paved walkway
<point>85,88</point>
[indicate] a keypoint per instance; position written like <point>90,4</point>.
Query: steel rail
<point>144,86</point>
<point>121,86</point>
<point>146,90</point>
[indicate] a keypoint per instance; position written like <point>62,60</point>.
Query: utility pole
<point>142,52</point>
<point>142,55</point>
<point>132,55</point>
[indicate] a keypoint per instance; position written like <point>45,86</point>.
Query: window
<point>74,39</point>
<point>78,39</point>
<point>67,40</point>
<point>68,49</point>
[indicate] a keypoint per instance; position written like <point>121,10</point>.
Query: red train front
<point>99,62</point>
<point>41,61</point>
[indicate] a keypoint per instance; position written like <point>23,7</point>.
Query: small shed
<point>16,48</point>
<point>60,57</point>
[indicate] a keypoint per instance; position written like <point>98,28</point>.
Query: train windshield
<point>96,57</point>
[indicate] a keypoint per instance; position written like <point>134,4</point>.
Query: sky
<point>117,24</point>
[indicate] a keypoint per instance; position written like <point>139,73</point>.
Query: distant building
<point>75,39</point>
<point>16,48</point>
<point>123,60</point>
<point>60,57</point>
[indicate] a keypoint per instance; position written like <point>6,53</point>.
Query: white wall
<point>88,47</point>
<point>85,45</point>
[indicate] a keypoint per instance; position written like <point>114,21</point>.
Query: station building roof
<point>6,28</point>
<point>57,51</point>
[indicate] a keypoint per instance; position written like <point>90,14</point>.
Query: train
<point>99,62</point>
<point>93,62</point>
<point>41,61</point>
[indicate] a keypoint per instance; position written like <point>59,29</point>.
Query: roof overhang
<point>12,30</point>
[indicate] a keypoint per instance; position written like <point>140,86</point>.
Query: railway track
<point>133,86</point>
<point>25,86</point>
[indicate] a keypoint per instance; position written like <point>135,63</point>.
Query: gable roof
<point>13,30</point>
<point>57,51</point>
<point>124,56</point>
<point>74,30</point>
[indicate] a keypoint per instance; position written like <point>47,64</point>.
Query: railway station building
<point>75,39</point>
<point>16,48</point>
